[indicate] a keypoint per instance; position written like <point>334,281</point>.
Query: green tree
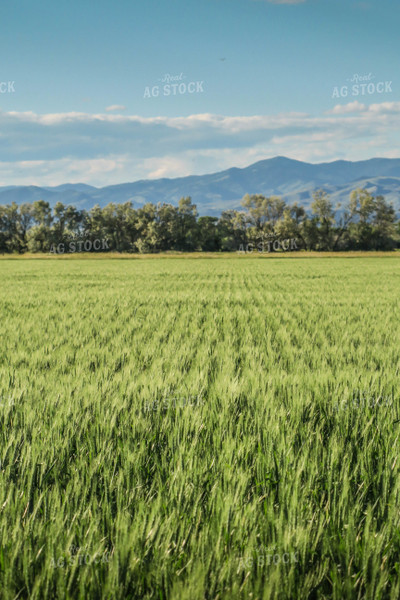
<point>165,227</point>
<point>232,230</point>
<point>362,206</point>
<point>383,223</point>
<point>209,238</point>
<point>40,235</point>
<point>263,212</point>
<point>9,231</point>
<point>146,239</point>
<point>292,225</point>
<point>323,222</point>
<point>187,224</point>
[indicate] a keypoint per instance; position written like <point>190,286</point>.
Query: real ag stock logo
<point>6,401</point>
<point>79,557</point>
<point>263,557</point>
<point>7,87</point>
<point>362,85</point>
<point>79,246</point>
<point>268,244</point>
<point>173,85</point>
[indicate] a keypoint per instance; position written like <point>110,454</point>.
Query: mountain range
<point>293,180</point>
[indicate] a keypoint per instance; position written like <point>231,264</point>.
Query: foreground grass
<point>274,483</point>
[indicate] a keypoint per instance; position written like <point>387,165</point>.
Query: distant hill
<point>293,180</point>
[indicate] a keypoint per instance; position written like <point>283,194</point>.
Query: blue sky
<point>264,75</point>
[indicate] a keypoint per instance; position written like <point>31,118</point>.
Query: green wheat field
<point>196,428</point>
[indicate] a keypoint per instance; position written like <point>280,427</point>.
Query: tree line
<point>365,223</point>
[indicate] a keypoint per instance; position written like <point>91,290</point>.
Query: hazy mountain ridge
<point>291,179</point>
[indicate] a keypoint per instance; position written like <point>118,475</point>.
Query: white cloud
<point>103,149</point>
<point>385,107</point>
<point>351,107</point>
<point>115,107</point>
